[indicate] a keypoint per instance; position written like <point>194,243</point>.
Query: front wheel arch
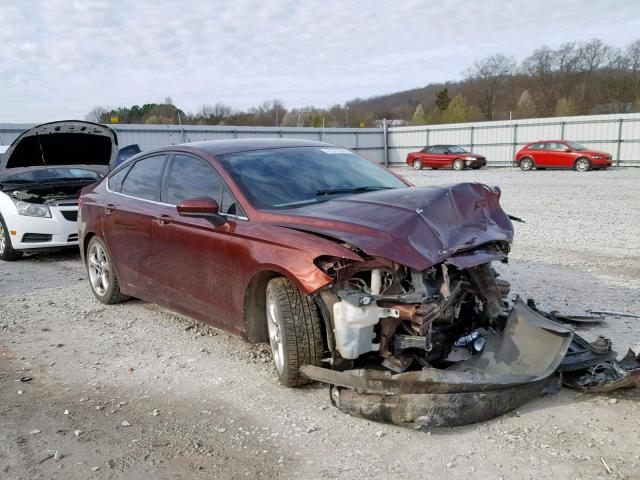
<point>584,160</point>
<point>254,314</point>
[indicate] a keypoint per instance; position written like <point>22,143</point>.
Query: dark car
<point>355,277</point>
<point>445,156</point>
<point>561,154</point>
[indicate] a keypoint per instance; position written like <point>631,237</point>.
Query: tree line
<point>577,78</point>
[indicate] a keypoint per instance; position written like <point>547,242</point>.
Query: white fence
<point>618,135</point>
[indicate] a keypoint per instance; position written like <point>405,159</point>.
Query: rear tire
<point>7,253</point>
<point>458,164</point>
<point>417,165</point>
<point>295,331</point>
<point>582,165</point>
<point>102,276</point>
<point>526,164</point>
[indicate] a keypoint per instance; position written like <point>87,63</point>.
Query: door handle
<point>109,209</point>
<point>164,219</point>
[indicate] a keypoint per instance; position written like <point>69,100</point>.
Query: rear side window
<point>144,178</point>
<point>439,150</point>
<point>193,178</point>
<point>536,146</point>
<point>115,180</point>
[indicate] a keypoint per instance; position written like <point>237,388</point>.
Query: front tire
<point>417,165</point>
<point>7,253</point>
<point>582,165</point>
<point>526,164</point>
<point>295,331</point>
<point>458,164</point>
<point>102,276</point>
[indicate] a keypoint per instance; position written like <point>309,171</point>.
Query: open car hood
<point>70,143</point>
<point>418,226</point>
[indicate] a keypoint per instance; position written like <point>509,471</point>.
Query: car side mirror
<point>567,149</point>
<point>206,208</point>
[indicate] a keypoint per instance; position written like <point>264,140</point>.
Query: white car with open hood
<point>41,175</point>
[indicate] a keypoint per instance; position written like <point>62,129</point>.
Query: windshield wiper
<point>332,191</point>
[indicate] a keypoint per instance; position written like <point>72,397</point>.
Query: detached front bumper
<point>515,366</point>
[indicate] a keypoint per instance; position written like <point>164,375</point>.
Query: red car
<point>336,262</point>
<point>561,154</point>
<point>445,156</point>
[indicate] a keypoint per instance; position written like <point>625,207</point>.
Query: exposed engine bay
<point>445,346</point>
<point>411,318</point>
<point>48,194</point>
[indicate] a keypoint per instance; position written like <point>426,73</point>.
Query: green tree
<point>316,120</point>
<point>565,107</point>
<point>442,99</point>
<point>457,111</point>
<point>418,118</point>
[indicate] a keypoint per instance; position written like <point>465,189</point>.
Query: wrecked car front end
<point>426,335</point>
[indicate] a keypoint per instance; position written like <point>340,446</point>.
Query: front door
<point>193,259</point>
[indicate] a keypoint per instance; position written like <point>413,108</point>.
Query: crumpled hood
<point>417,226</point>
<point>65,143</point>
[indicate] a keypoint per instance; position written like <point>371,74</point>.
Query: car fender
<point>7,208</point>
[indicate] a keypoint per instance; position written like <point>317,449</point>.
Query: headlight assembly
<point>33,209</point>
<point>470,158</point>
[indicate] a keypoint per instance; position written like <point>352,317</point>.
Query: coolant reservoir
<point>354,327</point>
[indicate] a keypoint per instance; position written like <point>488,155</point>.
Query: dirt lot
<point>134,391</point>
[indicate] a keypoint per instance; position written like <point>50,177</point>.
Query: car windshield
<point>576,146</point>
<point>293,177</point>
<point>51,175</point>
<point>456,149</point>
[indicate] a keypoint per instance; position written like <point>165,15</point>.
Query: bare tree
<point>593,55</point>
<point>632,54</point>
<point>490,74</point>
<point>96,114</point>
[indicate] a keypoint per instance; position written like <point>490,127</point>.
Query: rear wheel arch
<point>85,243</point>
<point>526,158</point>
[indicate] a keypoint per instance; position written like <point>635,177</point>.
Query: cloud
<point>60,58</point>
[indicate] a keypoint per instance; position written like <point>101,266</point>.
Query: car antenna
<point>46,168</point>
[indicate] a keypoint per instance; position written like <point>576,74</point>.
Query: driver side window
<point>190,177</point>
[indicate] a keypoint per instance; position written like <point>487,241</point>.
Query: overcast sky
<point>60,58</point>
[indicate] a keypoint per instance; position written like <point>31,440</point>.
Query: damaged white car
<point>41,175</point>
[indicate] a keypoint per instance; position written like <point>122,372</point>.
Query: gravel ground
<point>134,391</point>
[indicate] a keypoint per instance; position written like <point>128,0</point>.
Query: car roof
<point>222,147</point>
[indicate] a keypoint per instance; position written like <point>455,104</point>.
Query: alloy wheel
<point>582,165</point>
<point>98,266</point>
<point>526,164</point>
<point>417,165</point>
<point>275,335</point>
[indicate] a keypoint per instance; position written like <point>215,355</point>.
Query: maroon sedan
<point>334,260</point>
<point>445,156</point>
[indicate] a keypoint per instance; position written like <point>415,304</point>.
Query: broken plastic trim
<point>514,367</point>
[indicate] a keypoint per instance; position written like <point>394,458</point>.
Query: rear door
<point>127,221</point>
<point>192,261</point>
